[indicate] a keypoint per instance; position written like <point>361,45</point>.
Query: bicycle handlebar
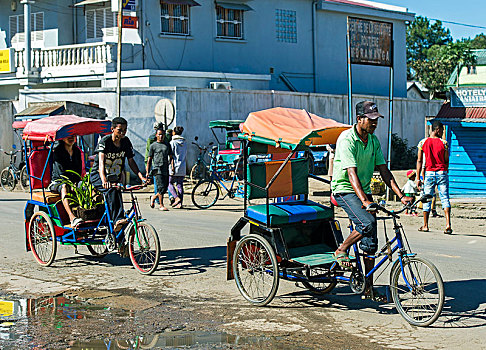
<point>376,207</point>
<point>128,188</point>
<point>11,153</point>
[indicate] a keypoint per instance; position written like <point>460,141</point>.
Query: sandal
<point>374,295</point>
<point>448,231</point>
<point>341,259</point>
<point>152,202</point>
<point>422,229</point>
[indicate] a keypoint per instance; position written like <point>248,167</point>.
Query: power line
<point>458,24</point>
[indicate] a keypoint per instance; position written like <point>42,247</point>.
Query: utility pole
<point>119,58</point>
<point>27,31</point>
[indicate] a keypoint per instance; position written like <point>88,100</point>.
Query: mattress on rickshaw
<point>289,212</point>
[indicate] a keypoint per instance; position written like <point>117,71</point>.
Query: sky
<point>465,11</point>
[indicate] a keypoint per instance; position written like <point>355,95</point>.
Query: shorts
<point>161,182</point>
<point>364,222</point>
<point>55,187</point>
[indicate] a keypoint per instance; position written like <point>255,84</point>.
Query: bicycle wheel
<point>98,250</point>
<point>319,288</point>
<point>205,194</point>
<point>256,269</point>
<point>418,292</point>
<point>144,248</point>
<point>24,179</point>
<point>7,179</point>
<point>42,238</point>
<point>199,172</point>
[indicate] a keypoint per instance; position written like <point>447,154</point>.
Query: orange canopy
<point>288,127</point>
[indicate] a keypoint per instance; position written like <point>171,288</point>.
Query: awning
<point>225,124</point>
<point>448,112</point>
<point>43,110</point>
<point>89,2</point>
<point>234,6</point>
<point>181,2</point>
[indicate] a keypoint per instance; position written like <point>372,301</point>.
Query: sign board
<point>128,5</point>
<point>129,22</point>
<point>7,62</point>
<point>468,97</point>
<point>371,42</point>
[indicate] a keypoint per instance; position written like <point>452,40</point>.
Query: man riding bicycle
<point>358,152</point>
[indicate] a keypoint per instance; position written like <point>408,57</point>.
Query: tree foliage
<point>402,156</point>
<point>432,56</point>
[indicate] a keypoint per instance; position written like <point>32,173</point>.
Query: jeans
<point>364,222</point>
<point>178,190</point>
<point>441,179</point>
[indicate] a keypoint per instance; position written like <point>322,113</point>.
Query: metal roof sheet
<point>448,112</point>
<point>44,109</point>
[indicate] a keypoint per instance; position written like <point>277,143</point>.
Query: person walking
<point>436,153</point>
<point>178,171</point>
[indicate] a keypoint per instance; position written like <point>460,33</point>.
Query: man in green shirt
<point>358,152</point>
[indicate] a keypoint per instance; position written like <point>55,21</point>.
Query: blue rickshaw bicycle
<point>46,221</point>
<point>293,238</point>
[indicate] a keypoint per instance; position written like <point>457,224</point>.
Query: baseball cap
<point>367,109</point>
<point>410,173</point>
<point>157,125</point>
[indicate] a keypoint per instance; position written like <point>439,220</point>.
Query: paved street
<point>193,264</point>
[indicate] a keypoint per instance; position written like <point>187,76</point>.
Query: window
<point>16,26</point>
<point>229,23</point>
<point>286,26</point>
<point>174,18</point>
<point>100,23</point>
<point>471,70</point>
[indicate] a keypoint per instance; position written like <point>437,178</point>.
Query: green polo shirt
<point>352,152</point>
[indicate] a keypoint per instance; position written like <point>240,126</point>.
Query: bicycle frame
<point>217,178</point>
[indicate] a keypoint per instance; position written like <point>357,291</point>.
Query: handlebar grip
<point>372,207</point>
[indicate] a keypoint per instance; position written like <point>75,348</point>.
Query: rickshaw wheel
<point>98,250</point>
<point>255,268</point>
<point>7,179</point>
<point>24,179</point>
<point>205,194</point>
<point>319,288</point>
<point>144,248</point>
<point>42,238</point>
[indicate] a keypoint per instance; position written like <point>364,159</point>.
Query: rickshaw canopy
<point>20,124</point>
<point>289,128</point>
<point>225,124</point>
<point>60,126</point>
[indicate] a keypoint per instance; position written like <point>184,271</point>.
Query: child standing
<point>160,154</point>
<point>410,188</point>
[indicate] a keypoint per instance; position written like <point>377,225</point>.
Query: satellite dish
<point>164,112</point>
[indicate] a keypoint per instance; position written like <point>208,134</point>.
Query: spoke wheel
<point>98,250</point>
<point>42,238</point>
<point>205,194</point>
<point>7,179</point>
<point>420,302</point>
<point>320,288</point>
<point>256,270</point>
<point>144,248</point>
<point>24,179</point>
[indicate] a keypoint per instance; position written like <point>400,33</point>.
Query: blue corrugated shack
<point>465,131</point>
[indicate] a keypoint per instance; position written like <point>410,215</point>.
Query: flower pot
<point>90,214</point>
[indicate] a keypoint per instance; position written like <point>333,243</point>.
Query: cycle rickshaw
<point>294,238</point>
<point>46,221</point>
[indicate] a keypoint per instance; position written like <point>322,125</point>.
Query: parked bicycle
<point>13,174</point>
<point>200,170</point>
<point>206,193</point>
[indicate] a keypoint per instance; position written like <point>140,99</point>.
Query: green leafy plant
<point>82,195</point>
<point>402,157</point>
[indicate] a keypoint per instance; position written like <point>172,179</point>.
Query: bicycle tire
<point>24,179</point>
<point>7,179</point>
<point>319,288</point>
<point>98,251</point>
<point>253,261</point>
<point>205,194</point>
<point>42,238</point>
<point>198,172</point>
<point>144,248</point>
<point>422,305</point>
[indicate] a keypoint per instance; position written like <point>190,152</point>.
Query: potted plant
<point>86,202</point>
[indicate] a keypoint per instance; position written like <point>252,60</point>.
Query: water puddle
<point>29,324</point>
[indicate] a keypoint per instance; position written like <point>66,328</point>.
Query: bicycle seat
<point>333,201</point>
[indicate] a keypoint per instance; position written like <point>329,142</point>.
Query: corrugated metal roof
<point>44,109</point>
<point>89,2</point>
<point>448,112</point>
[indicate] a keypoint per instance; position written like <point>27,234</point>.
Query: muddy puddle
<point>63,322</point>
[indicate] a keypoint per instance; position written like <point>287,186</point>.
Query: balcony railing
<point>61,56</point>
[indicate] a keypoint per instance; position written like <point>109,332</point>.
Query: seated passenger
<point>66,156</point>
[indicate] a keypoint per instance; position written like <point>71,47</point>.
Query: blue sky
<point>464,11</point>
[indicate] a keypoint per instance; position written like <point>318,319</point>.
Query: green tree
<point>434,70</point>
<point>478,42</point>
<point>421,36</point>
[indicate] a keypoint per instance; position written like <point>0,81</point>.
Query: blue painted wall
<point>467,168</point>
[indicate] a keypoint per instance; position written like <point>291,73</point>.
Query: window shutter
<point>110,22</point>
<point>90,24</point>
<point>12,24</point>
<point>37,26</point>
<point>99,22</point>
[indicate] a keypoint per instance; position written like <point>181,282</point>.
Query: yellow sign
<point>6,307</point>
<point>6,61</point>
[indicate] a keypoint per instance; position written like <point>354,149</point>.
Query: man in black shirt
<point>66,156</point>
<point>109,166</point>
